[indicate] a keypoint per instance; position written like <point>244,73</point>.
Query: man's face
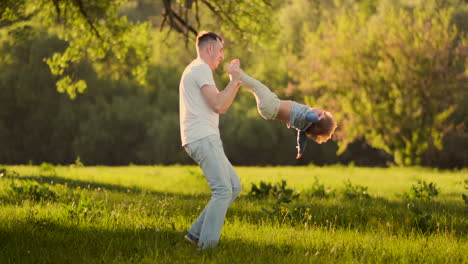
<point>216,54</point>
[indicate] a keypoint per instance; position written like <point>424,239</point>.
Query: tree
<point>98,31</point>
<point>392,79</point>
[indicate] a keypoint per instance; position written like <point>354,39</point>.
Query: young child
<point>309,122</point>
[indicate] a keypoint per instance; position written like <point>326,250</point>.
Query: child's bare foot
<point>235,63</point>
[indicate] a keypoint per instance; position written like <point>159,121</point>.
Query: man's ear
<point>209,48</point>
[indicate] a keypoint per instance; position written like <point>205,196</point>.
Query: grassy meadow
<point>139,214</point>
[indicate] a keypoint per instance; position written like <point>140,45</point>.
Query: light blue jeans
<point>224,183</point>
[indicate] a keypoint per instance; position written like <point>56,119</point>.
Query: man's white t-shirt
<point>197,119</point>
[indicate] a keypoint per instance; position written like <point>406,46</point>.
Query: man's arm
<point>221,101</point>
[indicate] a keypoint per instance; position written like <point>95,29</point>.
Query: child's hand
<point>235,63</point>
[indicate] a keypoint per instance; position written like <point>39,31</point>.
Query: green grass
<point>139,214</point>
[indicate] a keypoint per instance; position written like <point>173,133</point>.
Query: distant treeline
<point>396,83</point>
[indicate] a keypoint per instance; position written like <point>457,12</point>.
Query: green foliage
<point>119,116</point>
<point>319,190</point>
<point>25,83</point>
<point>8,173</point>
<point>94,31</point>
<point>118,48</point>
<point>105,116</point>
<point>418,219</point>
<point>277,191</point>
<point>281,196</point>
<point>355,191</point>
<point>422,191</point>
<point>78,163</point>
<point>47,168</point>
<point>387,77</point>
<point>293,216</point>
<point>72,88</point>
<point>247,19</point>
<point>29,190</point>
<point>85,209</point>
<point>464,196</point>
<point>115,127</point>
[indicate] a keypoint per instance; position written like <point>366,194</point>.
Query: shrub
<point>84,209</point>
<point>277,191</point>
<point>422,191</point>
<point>318,190</point>
<point>355,191</point>
<point>419,219</point>
<point>47,168</point>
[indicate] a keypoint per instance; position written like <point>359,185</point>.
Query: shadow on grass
<point>92,185</point>
<point>341,213</point>
<point>364,215</point>
<point>46,241</point>
<point>71,183</point>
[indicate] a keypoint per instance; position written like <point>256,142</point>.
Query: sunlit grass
<point>140,214</point>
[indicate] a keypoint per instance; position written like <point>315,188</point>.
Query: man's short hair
<point>205,36</point>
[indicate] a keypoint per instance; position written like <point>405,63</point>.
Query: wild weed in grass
<point>85,209</point>
<point>354,191</point>
<point>29,190</point>
<point>8,173</point>
<point>47,168</point>
<point>419,197</point>
<point>278,191</point>
<point>318,190</point>
<point>464,196</point>
<point>418,218</point>
<point>293,216</point>
<point>422,191</point>
<point>282,196</point>
<point>77,164</point>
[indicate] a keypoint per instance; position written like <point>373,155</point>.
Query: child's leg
<point>267,102</point>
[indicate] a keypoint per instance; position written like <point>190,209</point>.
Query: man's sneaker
<point>191,238</point>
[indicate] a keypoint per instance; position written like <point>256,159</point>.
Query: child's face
<point>317,111</point>
<point>321,113</point>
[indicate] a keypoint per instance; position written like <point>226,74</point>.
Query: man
<point>200,104</point>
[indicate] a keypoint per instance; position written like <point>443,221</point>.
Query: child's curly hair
<point>323,130</point>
